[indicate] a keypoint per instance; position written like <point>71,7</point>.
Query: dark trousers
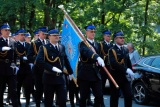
<point>50,89</point>
<point>12,88</point>
<point>96,87</point>
<point>126,89</point>
<point>24,80</point>
<point>73,90</point>
<point>39,89</point>
<point>104,78</point>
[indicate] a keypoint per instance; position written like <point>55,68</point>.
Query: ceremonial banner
<point>70,39</point>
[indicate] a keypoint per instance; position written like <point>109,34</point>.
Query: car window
<point>148,61</point>
<point>156,62</point>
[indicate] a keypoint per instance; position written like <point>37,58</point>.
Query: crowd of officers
<point>40,65</point>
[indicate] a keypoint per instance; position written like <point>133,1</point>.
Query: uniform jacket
<point>10,55</point>
<point>118,71</point>
<point>21,52</point>
<point>55,58</point>
<point>89,69</point>
<point>104,47</point>
<point>33,50</point>
<point>32,53</point>
<point>104,51</point>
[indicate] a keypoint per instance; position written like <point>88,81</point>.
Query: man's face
<point>36,36</point>
<point>21,37</point>
<point>54,38</point>
<point>42,35</point>
<point>119,40</point>
<point>107,38</point>
<point>16,38</point>
<point>28,39</point>
<point>5,32</point>
<point>129,48</point>
<point>90,34</point>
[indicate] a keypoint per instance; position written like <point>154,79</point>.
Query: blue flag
<point>70,39</point>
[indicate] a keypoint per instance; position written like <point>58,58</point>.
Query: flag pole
<point>86,42</point>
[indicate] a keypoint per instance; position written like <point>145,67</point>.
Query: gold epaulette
<point>3,54</point>
<point>46,56</point>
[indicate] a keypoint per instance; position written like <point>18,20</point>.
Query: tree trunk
<point>103,14</point>
<point>32,15</point>
<point>47,19</point>
<point>145,24</point>
<point>22,17</point>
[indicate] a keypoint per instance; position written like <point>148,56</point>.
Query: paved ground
<point>106,100</point>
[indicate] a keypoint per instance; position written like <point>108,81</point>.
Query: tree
<point>137,19</point>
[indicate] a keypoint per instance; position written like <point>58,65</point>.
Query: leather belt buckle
<point>57,74</point>
<point>6,60</point>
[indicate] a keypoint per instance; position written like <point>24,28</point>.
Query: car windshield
<point>156,62</point>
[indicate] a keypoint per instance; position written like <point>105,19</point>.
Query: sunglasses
<point>7,30</point>
<point>121,37</point>
<point>92,31</point>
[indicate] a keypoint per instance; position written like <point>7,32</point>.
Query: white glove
<point>55,69</point>
<point>25,58</point>
<point>70,77</point>
<point>6,48</point>
<point>128,77</point>
<point>100,61</point>
<point>17,69</point>
<point>130,72</point>
<point>31,65</point>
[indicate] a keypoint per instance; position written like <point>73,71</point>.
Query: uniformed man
<point>88,74</point>
<point>120,68</point>
<point>105,46</point>
<point>28,38</point>
<point>24,75</point>
<point>37,70</point>
<point>13,36</point>
<point>35,35</point>
<point>53,57</point>
<point>8,69</point>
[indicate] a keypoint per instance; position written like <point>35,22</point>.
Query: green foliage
<point>136,18</point>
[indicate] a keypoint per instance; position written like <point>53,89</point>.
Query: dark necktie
<point>7,41</point>
<point>24,44</point>
<point>92,44</point>
<point>43,42</point>
<point>56,48</point>
<point>121,49</point>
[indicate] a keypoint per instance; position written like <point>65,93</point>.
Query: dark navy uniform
<point>37,70</point>
<point>33,50</point>
<point>8,74</point>
<point>119,63</point>
<point>24,75</point>
<point>88,74</point>
<point>48,57</point>
<point>104,54</point>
